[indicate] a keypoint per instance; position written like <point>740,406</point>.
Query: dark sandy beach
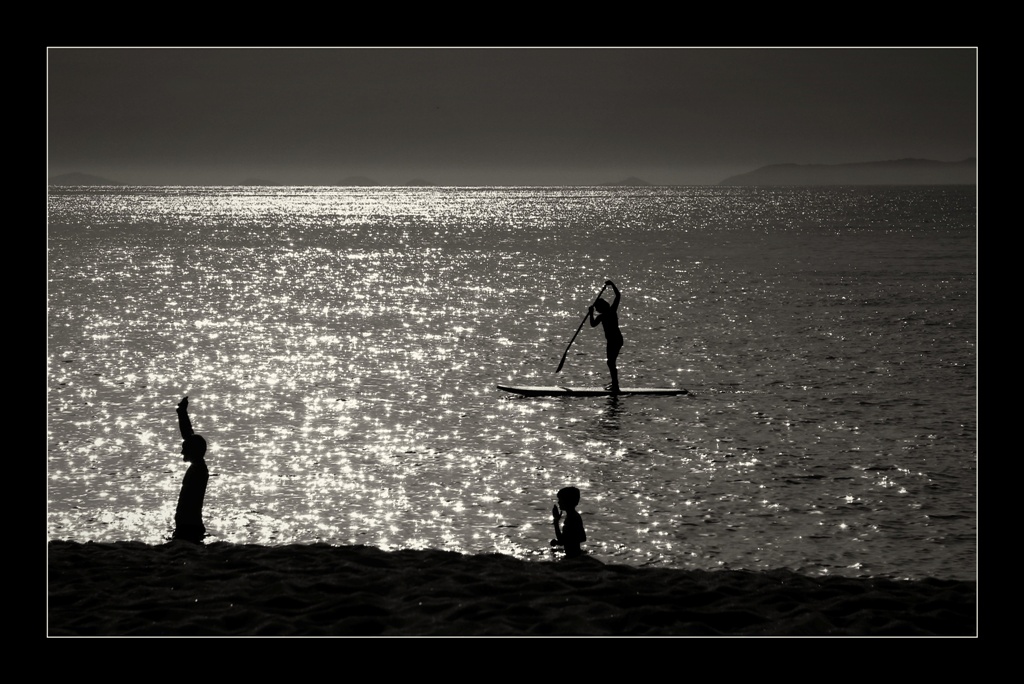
<point>180,589</point>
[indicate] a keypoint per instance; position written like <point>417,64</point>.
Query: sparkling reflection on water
<point>340,348</point>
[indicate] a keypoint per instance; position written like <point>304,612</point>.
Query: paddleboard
<point>565,391</point>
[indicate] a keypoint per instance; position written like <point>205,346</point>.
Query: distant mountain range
<point>896,172</point>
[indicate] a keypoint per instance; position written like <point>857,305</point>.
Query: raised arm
<point>615,302</point>
<point>184,424</point>
<point>556,514</point>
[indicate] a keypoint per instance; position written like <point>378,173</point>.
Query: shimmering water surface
<point>340,349</point>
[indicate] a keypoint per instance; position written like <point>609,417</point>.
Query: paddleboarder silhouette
<point>609,318</point>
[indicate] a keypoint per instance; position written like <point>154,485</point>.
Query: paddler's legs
<point>614,387</point>
<point>613,354</point>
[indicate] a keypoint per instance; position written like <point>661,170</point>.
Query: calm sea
<point>340,349</point>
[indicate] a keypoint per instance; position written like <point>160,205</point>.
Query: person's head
<point>601,305</point>
<point>568,497</point>
<point>193,448</point>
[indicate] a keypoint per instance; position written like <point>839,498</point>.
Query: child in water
<point>571,534</point>
<point>608,317</point>
<point>188,516</point>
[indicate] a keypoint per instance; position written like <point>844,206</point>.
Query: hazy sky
<point>484,116</point>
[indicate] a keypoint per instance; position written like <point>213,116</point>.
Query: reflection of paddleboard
<point>561,391</point>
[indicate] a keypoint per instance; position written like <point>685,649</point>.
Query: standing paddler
<point>608,317</point>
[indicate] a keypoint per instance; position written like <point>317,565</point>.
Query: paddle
<point>566,352</point>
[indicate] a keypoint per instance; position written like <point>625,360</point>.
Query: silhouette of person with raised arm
<point>188,516</point>
<point>608,317</point>
<point>571,534</point>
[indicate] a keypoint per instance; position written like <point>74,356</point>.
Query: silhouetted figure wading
<point>188,516</point>
<point>608,317</point>
<point>571,534</point>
